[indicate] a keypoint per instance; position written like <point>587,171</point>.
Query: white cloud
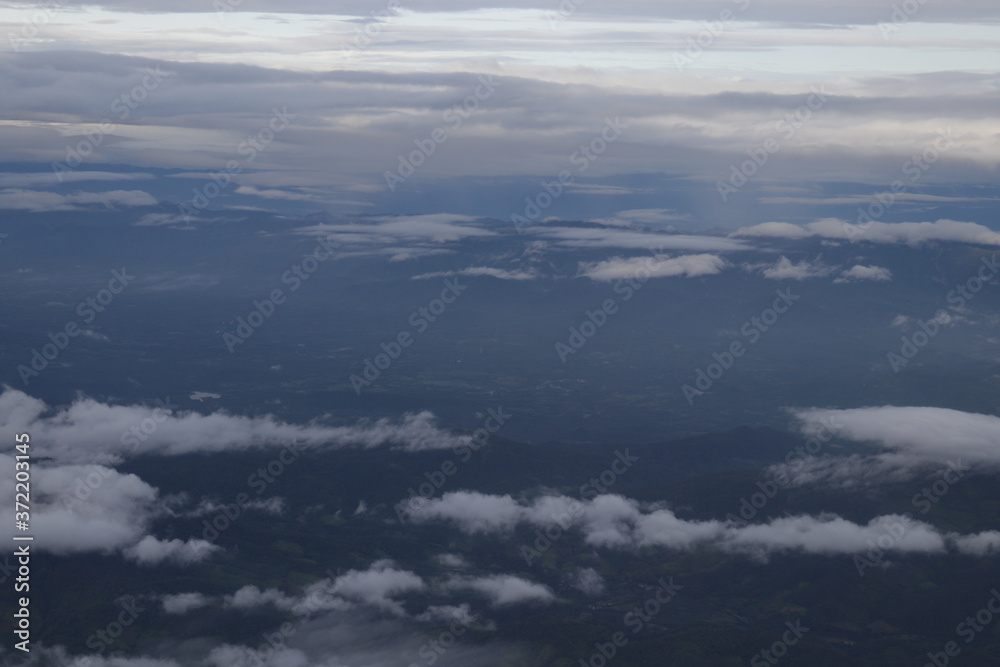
<point>500,274</point>
<point>784,269</point>
<point>362,637</point>
<point>461,614</point>
<point>81,508</point>
<point>37,201</point>
<point>588,237</point>
<point>152,551</point>
<point>273,193</point>
<point>49,178</point>
<point>228,655</point>
<point>644,216</point>
<point>58,657</point>
<point>504,590</point>
<point>859,272</point>
<point>93,508</point>
<point>202,395</point>
<point>165,219</point>
<point>86,427</point>
<point>915,435</point>
<point>906,442</point>
<point>912,233</point>
<point>435,227</point>
<point>182,603</point>
<point>688,266</point>
<point>588,581</point>
<point>452,561</point>
<point>406,254</point>
<point>901,320</point>
<point>833,535</point>
<point>251,597</point>
<point>983,544</point>
<point>615,522</point>
<point>473,512</point>
<point>377,585</point>
<point>275,506</point>
<point>773,229</point>
<point>95,335</point>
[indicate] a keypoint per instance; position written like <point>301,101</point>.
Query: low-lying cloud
<point>785,269</point>
<point>37,201</point>
<point>88,428</point>
<point>95,509</point>
<point>615,522</point>
<point>859,272</point>
<point>912,233</point>
<point>687,266</point>
<point>906,442</point>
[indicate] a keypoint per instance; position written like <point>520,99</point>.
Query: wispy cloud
<point>77,432</point>
<point>878,232</point>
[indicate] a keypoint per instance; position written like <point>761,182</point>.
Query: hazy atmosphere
<point>511,333</point>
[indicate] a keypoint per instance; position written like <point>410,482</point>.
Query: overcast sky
<point>690,87</point>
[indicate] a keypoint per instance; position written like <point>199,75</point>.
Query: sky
<point>405,130</point>
<point>470,108</point>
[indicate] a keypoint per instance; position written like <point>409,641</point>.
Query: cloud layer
<point>643,268</point>
<point>87,429</point>
<point>616,522</point>
<point>912,233</point>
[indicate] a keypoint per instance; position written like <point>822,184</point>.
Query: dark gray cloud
<point>352,127</point>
